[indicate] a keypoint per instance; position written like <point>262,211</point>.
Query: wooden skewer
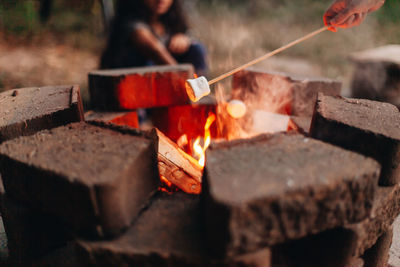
<point>270,54</point>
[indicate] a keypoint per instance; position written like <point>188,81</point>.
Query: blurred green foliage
<point>390,12</point>
<point>18,17</point>
<point>21,17</point>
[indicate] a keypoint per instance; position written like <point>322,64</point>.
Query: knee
<point>198,49</point>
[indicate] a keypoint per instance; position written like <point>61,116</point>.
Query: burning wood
<point>176,166</point>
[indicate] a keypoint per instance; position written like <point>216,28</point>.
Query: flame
<point>198,150</point>
<point>195,75</point>
<point>166,186</point>
<point>165,181</point>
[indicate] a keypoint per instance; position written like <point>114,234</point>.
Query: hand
<point>179,43</point>
<point>349,13</point>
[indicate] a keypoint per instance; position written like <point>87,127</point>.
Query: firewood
<point>177,166</point>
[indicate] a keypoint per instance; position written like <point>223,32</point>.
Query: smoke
<point>262,112</point>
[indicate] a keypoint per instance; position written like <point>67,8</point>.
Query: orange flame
<point>165,181</point>
<point>195,75</point>
<point>200,151</point>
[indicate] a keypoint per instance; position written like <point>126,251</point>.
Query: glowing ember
<point>200,151</point>
<point>166,186</point>
<point>165,181</point>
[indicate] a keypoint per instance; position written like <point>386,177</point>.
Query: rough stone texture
<point>60,257</point>
<point>28,110</point>
<point>3,236</point>
<point>378,255</point>
<point>168,233</point>
<point>377,74</point>
<point>273,188</point>
<point>385,209</point>
<point>134,88</point>
<point>394,254</point>
<point>31,234</point>
<point>94,177</point>
<point>327,249</point>
<point>176,121</point>
<point>119,118</point>
<point>300,124</point>
<point>364,126</point>
<point>343,246</point>
<point>280,93</point>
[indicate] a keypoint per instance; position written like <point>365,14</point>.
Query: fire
<point>195,76</point>
<point>166,186</point>
<point>198,150</point>
<point>165,181</point>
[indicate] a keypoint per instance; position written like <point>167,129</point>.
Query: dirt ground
<point>48,64</point>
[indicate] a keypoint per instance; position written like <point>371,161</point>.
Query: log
<point>176,166</point>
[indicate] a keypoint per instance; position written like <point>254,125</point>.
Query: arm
<point>179,43</point>
<point>148,44</point>
<point>349,13</point>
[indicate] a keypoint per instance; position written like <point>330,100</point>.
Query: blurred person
<point>151,32</point>
<point>349,13</point>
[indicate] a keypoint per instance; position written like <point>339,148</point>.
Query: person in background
<point>151,32</point>
<point>349,13</point>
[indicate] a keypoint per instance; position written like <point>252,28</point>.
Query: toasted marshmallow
<point>197,88</point>
<point>236,109</point>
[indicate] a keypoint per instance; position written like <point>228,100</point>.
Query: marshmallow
<point>236,109</point>
<point>197,88</point>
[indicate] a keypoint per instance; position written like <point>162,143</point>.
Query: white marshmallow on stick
<point>236,108</point>
<point>197,88</point>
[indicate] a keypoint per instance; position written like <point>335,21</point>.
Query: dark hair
<point>174,20</point>
<point>130,10</point>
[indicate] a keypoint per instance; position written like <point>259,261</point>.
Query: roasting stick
<point>199,87</point>
<point>268,55</point>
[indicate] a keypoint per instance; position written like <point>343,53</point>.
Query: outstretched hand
<point>349,13</point>
<point>179,43</point>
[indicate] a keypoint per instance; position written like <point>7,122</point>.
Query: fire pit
<point>97,194</point>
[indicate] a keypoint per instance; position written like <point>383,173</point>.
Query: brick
<point>60,257</point>
<point>168,233</point>
<point>280,93</point>
<point>376,74</point>
<point>300,124</point>
<point>32,234</point>
<point>95,177</point>
<point>385,209</point>
<point>28,110</point>
<point>394,254</point>
<point>329,249</point>
<point>345,246</point>
<point>175,121</point>
<point>378,255</point>
<point>272,188</point>
<point>135,88</point>
<point>119,118</point>
<point>363,126</point>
